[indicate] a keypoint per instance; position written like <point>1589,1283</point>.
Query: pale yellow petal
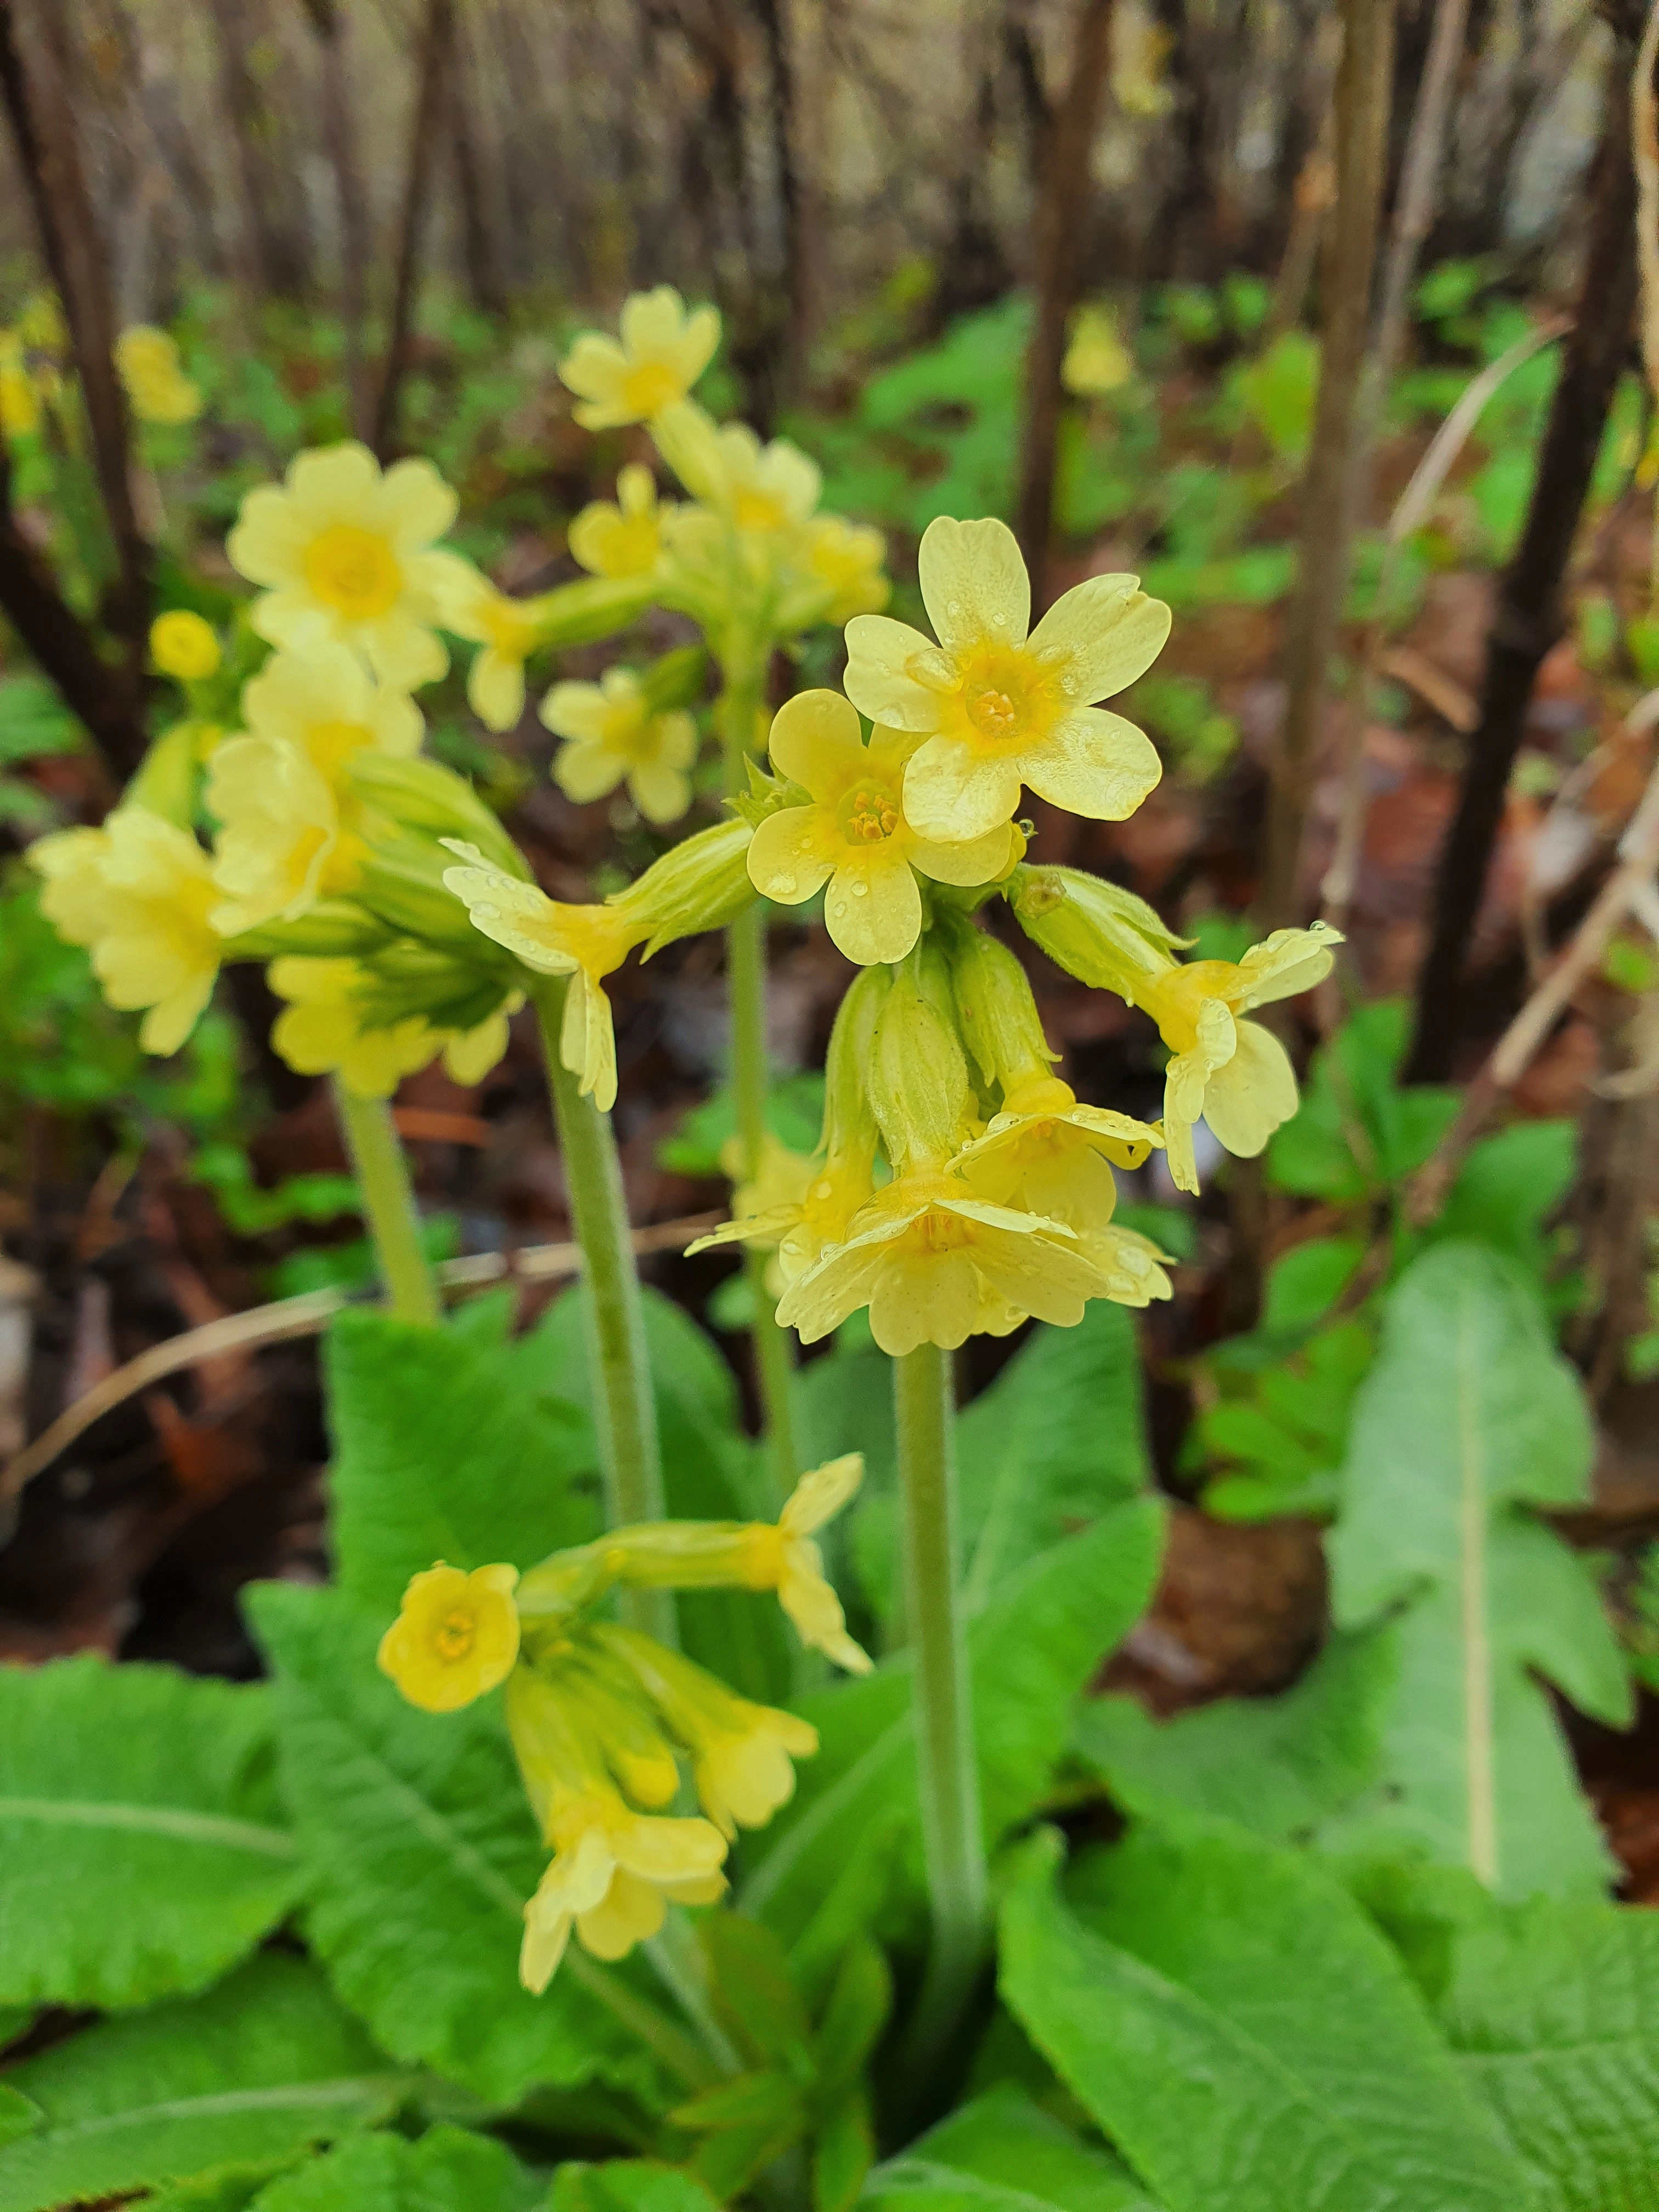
<point>1102,633</point>
<point>1283,965</point>
<point>660,793</point>
<point>1253,1094</point>
<point>953,796</point>
<point>924,1297</point>
<point>816,741</point>
<point>873,909</point>
<point>414,504</point>
<point>494,689</point>
<point>585,772</point>
<point>974,583</point>
<point>787,854</point>
<point>1093,763</point>
<point>976,861</point>
<point>883,658</point>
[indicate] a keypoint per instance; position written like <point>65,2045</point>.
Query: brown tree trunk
<point>272,258</point>
<point>484,262</point>
<point>1527,618</point>
<point>1364,80</point>
<point>437,42</point>
<point>1055,254</point>
<point>332,28</point>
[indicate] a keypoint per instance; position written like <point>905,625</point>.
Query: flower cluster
<point>602,1717</point>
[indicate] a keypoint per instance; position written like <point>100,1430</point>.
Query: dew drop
<point>1069,685</point>
<point>860,889</point>
<point>785,885</point>
<point>999,620</point>
<point>953,608</point>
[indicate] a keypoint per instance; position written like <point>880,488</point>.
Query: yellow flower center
<point>650,386</point>
<point>1005,700</point>
<point>330,745</point>
<point>453,1636</point>
<point>869,815</point>
<point>354,571</point>
<point>758,510</point>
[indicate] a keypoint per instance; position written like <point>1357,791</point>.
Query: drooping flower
<point>346,553</point>
<point>183,646</point>
<point>663,351</point>
<point>614,733</point>
<point>157,389</point>
<point>138,893</point>
<point>586,943</point>
<point>290,828</point>
<point>927,1255</point>
<point>325,1029</point>
<point>855,834</point>
<point>509,630</point>
<point>999,707</point>
<point>782,1556</point>
<point>1233,1073</point>
<point>623,540</point>
<point>455,1637</point>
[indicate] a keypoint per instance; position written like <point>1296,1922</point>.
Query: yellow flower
<point>999,707</point>
<point>781,1556</point>
<point>157,389</point>
<point>626,540</point>
<point>456,1636</point>
<point>856,835</point>
<point>509,630</point>
<point>138,894</point>
<point>183,646</point>
<point>766,490</point>
<point>20,395</point>
<point>1049,1155</point>
<point>614,733</point>
<point>585,943</point>
<point>847,556</point>
<point>614,1870</point>
<point>1140,53</point>
<point>291,829</point>
<point>322,1031</point>
<point>662,354</point>
<point>1096,359</point>
<point>927,1255</point>
<point>1233,1073</point>
<point>740,1752</point>
<point>767,1208</point>
<point>345,553</point>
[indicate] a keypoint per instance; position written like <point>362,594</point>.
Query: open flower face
<point>138,893</point>
<point>663,352</point>
<point>855,834</point>
<point>999,708</point>
<point>624,539</point>
<point>926,1256</point>
<point>346,553</point>
<point>614,734</point>
<point>456,1636</point>
<point>768,491</point>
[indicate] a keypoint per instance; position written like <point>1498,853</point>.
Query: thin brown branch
<point>1363,87</point>
<point>437,39</point>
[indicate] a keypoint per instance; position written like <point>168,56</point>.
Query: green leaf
<point>843,2151</point>
<point>1470,1418</point>
<point>448,2170</point>
<point>130,1874</point>
<point>710,1472</point>
<point>1032,1649</point>
<point>262,2064</point>
<point>1003,2154</point>
<point>442,1452</point>
<point>14,2020</point>
<point>1279,1766</point>
<point>1508,1186</point>
<point>1356,1132</point>
<point>1234,2023</point>
<point>1280,1446</point>
<point>1280,389</point>
<point>758,2004</point>
<point>419,1851</point>
<point>19,2115</point>
<point>627,2184</point>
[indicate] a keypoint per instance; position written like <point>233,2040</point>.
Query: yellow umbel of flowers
<point>291,827</point>
<point>1233,1073</point>
<point>623,540</point>
<point>999,706</point>
<point>741,1752</point>
<point>614,733</point>
<point>455,1637</point>
<point>345,552</point>
<point>157,389</point>
<point>183,646</point>
<point>138,893</point>
<point>586,943</point>
<point>663,352</point>
<point>855,834</point>
<point>322,1030</point>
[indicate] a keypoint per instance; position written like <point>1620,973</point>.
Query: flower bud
<point>676,679</point>
<point>1099,932</point>
<point>183,646</point>
<point>703,883</point>
<point>595,608</point>
<point>424,795</point>
<point>689,441</point>
<point>848,1123</point>
<point>918,1080</point>
<point>166,783</point>
<point>996,1015</point>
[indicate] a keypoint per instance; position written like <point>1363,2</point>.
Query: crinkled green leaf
<point>1003,2154</point>
<point>448,2170</point>
<point>1508,1186</point>
<point>1358,1132</point>
<point>444,1449</point>
<point>626,2185</point>
<point>261,2065</point>
<point>1279,1766</point>
<point>1237,2027</point>
<point>1470,1420</point>
<point>1033,1648</point>
<point>144,1846</point>
<point>419,1851</point>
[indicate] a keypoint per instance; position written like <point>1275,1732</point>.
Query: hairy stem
<point>394,1222</point>
<point>953,1837</point>
<point>613,1318</point>
<point>745,972</point>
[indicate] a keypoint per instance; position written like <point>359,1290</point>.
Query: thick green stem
<point>394,1221</point>
<point>745,972</point>
<point>613,1318</point>
<point>952,1832</point>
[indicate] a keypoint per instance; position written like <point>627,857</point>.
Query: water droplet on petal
<point>999,620</point>
<point>953,608</point>
<point>860,889</point>
<point>1069,685</point>
<point>785,885</point>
